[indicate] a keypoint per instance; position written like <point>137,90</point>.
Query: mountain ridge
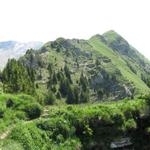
<point>113,68</point>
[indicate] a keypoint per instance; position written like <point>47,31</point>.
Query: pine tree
<point>54,78</point>
<point>0,76</point>
<point>50,68</point>
<point>18,78</point>
<point>67,73</point>
<point>84,96</point>
<point>64,87</point>
<point>83,82</point>
<point>70,96</point>
<point>76,94</point>
<point>60,75</point>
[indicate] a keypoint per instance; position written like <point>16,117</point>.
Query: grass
<point>120,64</point>
<point>15,113</point>
<point>76,126</point>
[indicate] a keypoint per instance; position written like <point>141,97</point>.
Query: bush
<point>58,95</point>
<point>33,110</point>
<point>84,97</point>
<point>147,98</point>
<point>30,137</point>
<point>130,124</point>
<point>50,99</point>
<point>57,128</point>
<point>9,103</point>
<point>21,115</point>
<point>1,113</point>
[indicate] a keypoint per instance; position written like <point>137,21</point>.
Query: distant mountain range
<point>14,49</point>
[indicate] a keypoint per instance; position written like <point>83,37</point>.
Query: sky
<point>46,20</point>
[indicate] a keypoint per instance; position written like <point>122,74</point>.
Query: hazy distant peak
<point>14,49</point>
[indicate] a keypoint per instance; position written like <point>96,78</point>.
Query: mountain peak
<point>111,35</point>
<point>111,31</point>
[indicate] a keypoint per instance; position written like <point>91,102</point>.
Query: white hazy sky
<point>44,20</point>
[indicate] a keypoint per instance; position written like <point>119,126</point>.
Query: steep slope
<point>129,68</point>
<point>109,72</point>
<point>137,63</point>
<point>14,49</point>
<point>120,45</point>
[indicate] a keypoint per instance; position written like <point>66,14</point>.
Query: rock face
<point>13,49</point>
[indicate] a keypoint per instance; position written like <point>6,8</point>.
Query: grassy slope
<point>58,129</point>
<point>14,114</point>
<point>120,63</point>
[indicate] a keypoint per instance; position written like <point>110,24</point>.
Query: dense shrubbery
<point>14,108</point>
<point>33,110</point>
<point>9,103</point>
<point>30,137</point>
<point>49,99</point>
<point>80,126</point>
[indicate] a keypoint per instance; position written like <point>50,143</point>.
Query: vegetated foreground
<point>74,127</point>
<point>66,96</point>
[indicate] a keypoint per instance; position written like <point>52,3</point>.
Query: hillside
<point>113,68</point>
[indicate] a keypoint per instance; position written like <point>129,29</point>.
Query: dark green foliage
<point>100,93</point>
<point>77,63</point>
<point>50,68</point>
<point>50,98</point>
<point>53,89</point>
<point>67,73</point>
<point>76,94</point>
<point>1,113</point>
<point>1,76</point>
<point>64,87</point>
<point>58,95</point>
<point>83,82</point>
<point>57,45</point>
<point>33,110</point>
<point>84,96</point>
<point>9,103</point>
<point>39,77</point>
<point>71,99</point>
<point>17,78</point>
<point>73,95</point>
<point>97,62</point>
<point>54,78</point>
<point>60,75</point>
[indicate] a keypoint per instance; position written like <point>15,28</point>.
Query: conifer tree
<point>83,82</point>
<point>84,96</point>
<point>67,73</point>
<point>64,87</point>
<point>18,78</point>
<point>70,96</point>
